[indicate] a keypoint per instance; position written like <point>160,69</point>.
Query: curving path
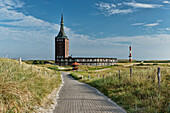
<point>77,97</point>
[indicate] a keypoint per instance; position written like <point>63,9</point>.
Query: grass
<point>91,68</point>
<point>138,94</point>
<point>38,61</point>
<point>22,87</point>
<point>54,67</point>
<point>145,61</point>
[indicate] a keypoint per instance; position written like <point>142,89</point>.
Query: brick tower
<point>61,45</point>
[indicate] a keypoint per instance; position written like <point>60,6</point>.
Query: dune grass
<point>22,87</point>
<point>138,94</point>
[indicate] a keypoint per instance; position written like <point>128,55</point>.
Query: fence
<point>132,73</point>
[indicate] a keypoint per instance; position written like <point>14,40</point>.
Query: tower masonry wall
<point>66,48</point>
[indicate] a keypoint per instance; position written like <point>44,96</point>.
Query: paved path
<point>76,97</point>
<point>102,69</point>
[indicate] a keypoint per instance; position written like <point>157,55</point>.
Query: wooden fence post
<point>159,76</point>
<point>130,71</point>
<point>20,61</point>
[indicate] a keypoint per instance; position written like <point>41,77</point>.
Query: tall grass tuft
<point>23,86</point>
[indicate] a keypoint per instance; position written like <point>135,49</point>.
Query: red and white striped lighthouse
<point>130,53</point>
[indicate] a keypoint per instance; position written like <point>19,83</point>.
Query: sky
<point>102,28</point>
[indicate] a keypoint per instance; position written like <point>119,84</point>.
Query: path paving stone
<point>77,97</point>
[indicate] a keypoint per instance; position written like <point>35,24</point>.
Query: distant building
<point>62,52</point>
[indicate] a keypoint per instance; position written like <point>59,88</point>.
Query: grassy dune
<point>138,94</point>
<point>22,87</point>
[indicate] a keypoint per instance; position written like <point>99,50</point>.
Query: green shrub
<point>35,62</point>
<point>41,62</point>
<point>75,76</point>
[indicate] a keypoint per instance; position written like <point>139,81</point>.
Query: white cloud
<point>121,8</point>
<point>141,5</point>
<point>166,2</point>
<point>144,46</point>
<point>7,10</point>
<point>117,11</point>
<point>111,9</point>
<point>138,24</point>
<point>11,4</point>
<point>168,29</point>
<point>151,25</point>
<point>105,6</point>
<point>148,24</point>
<point>119,4</point>
<point>163,30</point>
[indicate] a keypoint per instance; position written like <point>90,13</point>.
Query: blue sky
<point>94,27</point>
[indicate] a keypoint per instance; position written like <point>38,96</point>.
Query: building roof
<point>61,34</point>
<point>92,57</point>
<point>75,64</point>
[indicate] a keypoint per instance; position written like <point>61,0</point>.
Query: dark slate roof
<point>61,34</point>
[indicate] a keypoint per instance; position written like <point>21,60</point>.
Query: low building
<point>90,61</point>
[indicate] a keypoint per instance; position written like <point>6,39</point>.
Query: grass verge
<point>138,94</point>
<point>22,87</point>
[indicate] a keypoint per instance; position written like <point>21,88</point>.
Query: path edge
<point>54,96</point>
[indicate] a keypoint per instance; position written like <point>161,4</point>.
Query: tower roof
<point>61,34</point>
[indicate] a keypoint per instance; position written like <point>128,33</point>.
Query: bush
<point>35,62</point>
<point>75,76</point>
<point>41,62</point>
<point>46,61</point>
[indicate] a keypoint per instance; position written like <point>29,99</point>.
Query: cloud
<point>166,2</point>
<point>110,9</point>
<point>164,29</point>
<point>148,24</point>
<point>7,10</point>
<point>119,4</point>
<point>138,24</point>
<point>118,11</point>
<point>151,25</point>
<point>141,5</point>
<point>144,46</point>
<point>168,29</point>
<point>11,4</point>
<point>121,8</point>
<point>105,6</point>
